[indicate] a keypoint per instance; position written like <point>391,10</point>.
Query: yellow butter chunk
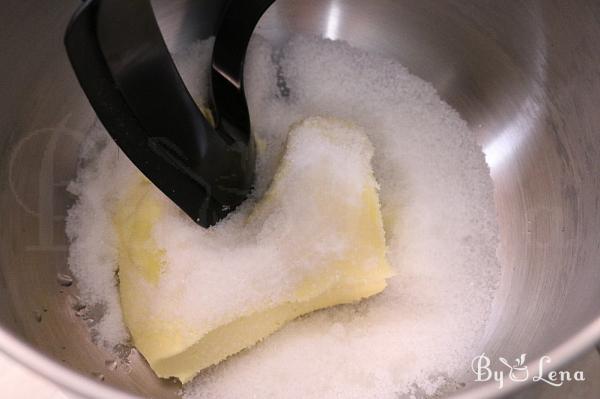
<point>315,239</point>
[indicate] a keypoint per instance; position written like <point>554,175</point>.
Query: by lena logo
<point>518,371</point>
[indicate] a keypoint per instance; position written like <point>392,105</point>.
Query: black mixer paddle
<point>128,75</point>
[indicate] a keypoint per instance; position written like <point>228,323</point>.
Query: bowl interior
<point>524,75</point>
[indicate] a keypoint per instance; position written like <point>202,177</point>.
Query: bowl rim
<point>72,381</point>
<point>85,386</point>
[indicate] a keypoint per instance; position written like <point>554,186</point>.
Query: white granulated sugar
<point>93,253</point>
<point>259,256</point>
<point>439,215</point>
<point>194,71</point>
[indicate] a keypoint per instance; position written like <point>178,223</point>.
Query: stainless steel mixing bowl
<point>524,74</point>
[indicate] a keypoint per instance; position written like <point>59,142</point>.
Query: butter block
<point>316,239</point>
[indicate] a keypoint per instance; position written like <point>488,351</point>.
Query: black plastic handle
<point>231,43</point>
<point>128,75</point>
<point>146,76</point>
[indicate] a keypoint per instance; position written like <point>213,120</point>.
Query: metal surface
<point>524,74</point>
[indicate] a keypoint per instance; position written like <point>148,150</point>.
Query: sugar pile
<point>437,202</point>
